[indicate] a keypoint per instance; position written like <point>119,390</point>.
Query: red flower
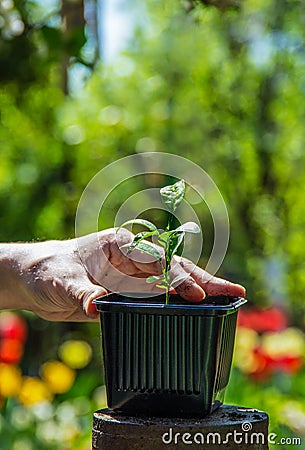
<point>11,351</point>
<point>262,370</point>
<point>13,333</point>
<point>12,326</point>
<point>262,320</point>
<point>286,363</point>
<point>266,365</point>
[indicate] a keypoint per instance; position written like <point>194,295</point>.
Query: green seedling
<point>170,239</point>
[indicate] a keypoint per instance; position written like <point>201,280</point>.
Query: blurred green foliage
<point>223,86</point>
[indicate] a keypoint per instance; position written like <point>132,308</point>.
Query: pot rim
<point>133,302</point>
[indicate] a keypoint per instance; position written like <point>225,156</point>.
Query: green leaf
<point>173,195</point>
<point>173,243</point>
<point>189,227</point>
<point>154,278</point>
<point>171,240</point>
<point>139,237</point>
<point>163,237</point>
<point>143,222</point>
<point>150,250</point>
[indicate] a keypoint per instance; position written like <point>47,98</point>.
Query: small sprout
<point>170,240</point>
<point>173,195</point>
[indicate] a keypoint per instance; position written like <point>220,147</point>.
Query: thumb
<point>85,294</point>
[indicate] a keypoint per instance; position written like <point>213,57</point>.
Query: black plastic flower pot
<point>167,360</point>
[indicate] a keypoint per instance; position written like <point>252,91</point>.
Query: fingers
<point>212,285</point>
<point>217,286</point>
<point>197,283</point>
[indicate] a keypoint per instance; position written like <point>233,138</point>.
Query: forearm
<point>20,266</point>
<point>47,278</point>
<point>13,286</point>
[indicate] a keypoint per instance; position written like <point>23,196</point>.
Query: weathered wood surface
<point>229,427</point>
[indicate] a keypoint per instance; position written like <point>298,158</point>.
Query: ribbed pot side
<point>167,361</point>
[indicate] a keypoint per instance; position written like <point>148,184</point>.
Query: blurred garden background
<point>221,82</point>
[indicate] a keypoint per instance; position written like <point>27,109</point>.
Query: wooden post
<point>229,427</point>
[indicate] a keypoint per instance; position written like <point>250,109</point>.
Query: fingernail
<point>91,309</point>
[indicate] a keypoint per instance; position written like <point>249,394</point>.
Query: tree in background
<point>40,44</point>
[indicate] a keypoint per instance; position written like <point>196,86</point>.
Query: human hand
<point>61,279</point>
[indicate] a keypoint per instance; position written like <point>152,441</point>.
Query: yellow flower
<point>10,380</point>
<point>76,354</point>
<point>290,341</point>
<point>57,376</point>
<point>246,341</point>
<point>34,390</point>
